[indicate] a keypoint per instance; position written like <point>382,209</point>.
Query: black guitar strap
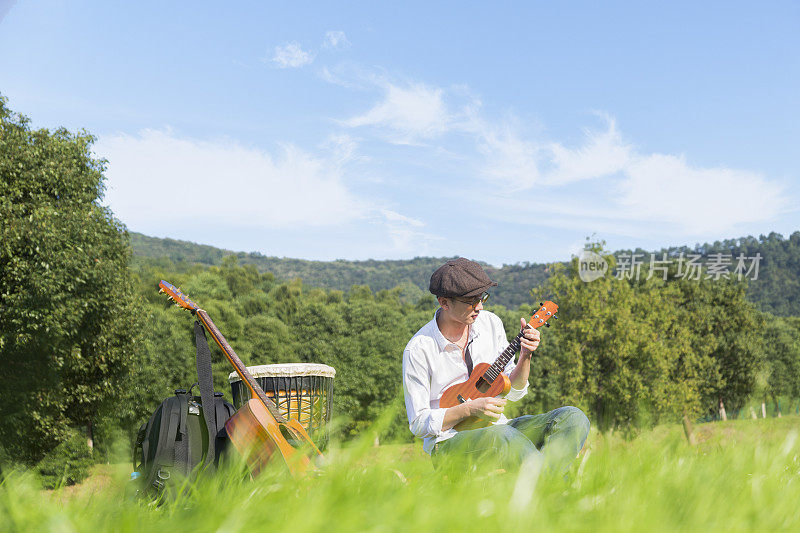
<point>468,359</point>
<point>206,391</point>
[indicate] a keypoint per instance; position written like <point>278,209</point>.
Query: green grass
<point>744,475</point>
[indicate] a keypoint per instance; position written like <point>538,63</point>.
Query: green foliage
<point>67,313</point>
<point>781,371</point>
<point>630,353</point>
<point>360,333</point>
<point>726,335</point>
<point>410,276</point>
<point>634,352</point>
<point>67,464</point>
<point>777,289</point>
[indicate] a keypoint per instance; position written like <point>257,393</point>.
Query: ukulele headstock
<point>175,294</point>
<point>545,312</point>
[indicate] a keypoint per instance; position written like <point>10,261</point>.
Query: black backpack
<point>185,432</point>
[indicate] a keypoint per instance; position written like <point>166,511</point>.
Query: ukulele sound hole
<point>482,385</point>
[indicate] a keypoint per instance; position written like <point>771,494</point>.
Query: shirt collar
<point>442,341</point>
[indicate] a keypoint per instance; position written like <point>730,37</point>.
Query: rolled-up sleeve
<point>515,394</point>
<point>423,421</point>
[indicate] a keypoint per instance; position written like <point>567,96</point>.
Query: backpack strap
<point>140,444</point>
<point>206,386</point>
<point>182,448</point>
<point>168,430</point>
<point>224,412</point>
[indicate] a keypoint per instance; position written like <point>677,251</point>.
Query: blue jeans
<point>553,438</point>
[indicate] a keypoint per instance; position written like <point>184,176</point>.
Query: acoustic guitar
<point>488,380</point>
<point>257,430</point>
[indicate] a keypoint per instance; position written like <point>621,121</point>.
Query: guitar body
<point>257,430</point>
<point>258,437</point>
<point>474,387</point>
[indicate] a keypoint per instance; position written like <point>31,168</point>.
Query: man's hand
<point>487,408</point>
<point>530,341</point>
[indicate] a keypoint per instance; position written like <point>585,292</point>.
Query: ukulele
<point>488,380</point>
<point>257,430</point>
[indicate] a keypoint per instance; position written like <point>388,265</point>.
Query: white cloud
<point>666,188</point>
<point>638,188</point>
<point>291,55</point>
<point>393,216</point>
<point>604,154</point>
<point>157,178</point>
<point>411,113</point>
<point>342,147</point>
<point>415,113</point>
<point>515,162</point>
<point>510,161</point>
<point>335,39</point>
<point>159,181</point>
<point>405,235</point>
<point>624,192</point>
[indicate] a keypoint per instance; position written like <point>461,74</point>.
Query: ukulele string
<point>494,371</point>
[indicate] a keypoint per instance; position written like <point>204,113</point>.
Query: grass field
<point>743,475</point>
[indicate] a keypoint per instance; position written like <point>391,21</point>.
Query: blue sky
<point>502,132</point>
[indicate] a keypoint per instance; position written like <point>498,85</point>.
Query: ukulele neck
<point>502,360</point>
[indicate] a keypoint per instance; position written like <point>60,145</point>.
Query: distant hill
<point>515,281</point>
<point>777,289</point>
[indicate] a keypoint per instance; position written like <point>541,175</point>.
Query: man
<point>442,352</point>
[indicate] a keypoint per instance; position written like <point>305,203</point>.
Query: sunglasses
<point>475,301</point>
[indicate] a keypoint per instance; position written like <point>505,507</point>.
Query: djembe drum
<point>301,391</point>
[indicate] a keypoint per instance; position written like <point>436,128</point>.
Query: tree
<point>725,336</point>
<point>636,351</point>
<point>782,359</point>
<point>68,326</point>
<point>606,356</point>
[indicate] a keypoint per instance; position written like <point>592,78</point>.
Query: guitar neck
<point>255,389</point>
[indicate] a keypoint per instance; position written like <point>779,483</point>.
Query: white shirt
<point>431,364</point>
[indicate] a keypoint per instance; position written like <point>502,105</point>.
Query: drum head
<point>286,369</point>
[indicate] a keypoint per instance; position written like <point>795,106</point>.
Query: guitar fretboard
<point>241,370</point>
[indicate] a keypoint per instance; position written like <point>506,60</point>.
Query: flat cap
<point>460,278</point>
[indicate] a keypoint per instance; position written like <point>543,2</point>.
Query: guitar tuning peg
<point>555,316</point>
<point>541,304</point>
<point>160,290</point>
<point>547,324</point>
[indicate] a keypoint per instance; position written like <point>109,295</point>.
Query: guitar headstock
<point>545,312</point>
<point>174,293</point>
